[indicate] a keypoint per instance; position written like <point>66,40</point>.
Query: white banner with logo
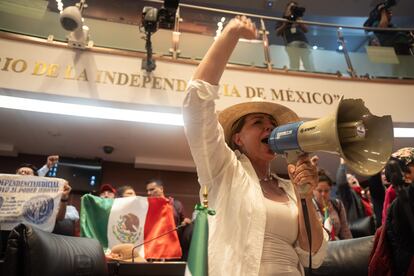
<point>67,72</point>
<point>31,200</point>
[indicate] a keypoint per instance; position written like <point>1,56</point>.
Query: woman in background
<point>331,211</point>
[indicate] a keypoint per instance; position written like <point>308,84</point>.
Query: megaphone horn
<point>362,139</point>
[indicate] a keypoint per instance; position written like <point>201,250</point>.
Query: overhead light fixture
<point>110,113</point>
<point>90,111</point>
<point>400,132</point>
<point>71,20</point>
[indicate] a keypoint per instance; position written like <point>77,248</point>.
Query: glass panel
<point>313,51</point>
<point>375,61</point>
<point>119,29</point>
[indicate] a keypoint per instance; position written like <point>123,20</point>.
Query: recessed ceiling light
<point>90,111</point>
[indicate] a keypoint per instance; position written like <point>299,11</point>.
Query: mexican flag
<point>197,263</point>
<point>137,220</point>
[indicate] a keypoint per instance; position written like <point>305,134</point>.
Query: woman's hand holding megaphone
<point>304,176</point>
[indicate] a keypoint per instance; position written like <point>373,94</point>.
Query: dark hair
<point>323,177</point>
<point>156,181</point>
<point>121,190</point>
<point>238,125</point>
<point>287,6</point>
<point>236,128</point>
<point>27,165</point>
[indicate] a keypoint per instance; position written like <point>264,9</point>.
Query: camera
<point>296,12</point>
<point>71,18</point>
<point>150,19</point>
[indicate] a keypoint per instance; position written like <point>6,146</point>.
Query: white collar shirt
<point>236,232</point>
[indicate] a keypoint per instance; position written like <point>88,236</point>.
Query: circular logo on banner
<point>38,209</point>
<point>127,228</point>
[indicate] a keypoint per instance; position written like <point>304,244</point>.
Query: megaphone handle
<point>292,158</point>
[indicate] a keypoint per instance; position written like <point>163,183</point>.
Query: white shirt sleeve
<point>43,170</point>
<point>204,134</point>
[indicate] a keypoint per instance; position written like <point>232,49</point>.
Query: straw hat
<point>230,115</point>
<point>123,252</point>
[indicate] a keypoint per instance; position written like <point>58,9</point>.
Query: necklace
<point>267,178</point>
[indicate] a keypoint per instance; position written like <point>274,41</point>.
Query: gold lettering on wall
<point>53,70</point>
<point>40,68</point>
<point>44,69</point>
<point>82,76</point>
<point>232,92</point>
<point>307,97</point>
<point>69,73</point>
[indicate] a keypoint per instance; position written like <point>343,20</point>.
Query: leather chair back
<point>31,251</point>
<point>346,257</point>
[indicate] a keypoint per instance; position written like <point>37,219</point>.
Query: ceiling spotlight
<point>71,20</point>
<point>270,3</point>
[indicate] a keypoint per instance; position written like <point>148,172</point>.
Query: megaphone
<point>362,139</point>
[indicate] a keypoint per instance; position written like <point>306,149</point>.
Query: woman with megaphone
<point>258,228</point>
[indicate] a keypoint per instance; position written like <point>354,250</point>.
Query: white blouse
<point>236,232</point>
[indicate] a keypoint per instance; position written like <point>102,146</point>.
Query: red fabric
<point>411,267</point>
<point>390,195</point>
<point>160,220</point>
<point>380,259</point>
<point>365,201</point>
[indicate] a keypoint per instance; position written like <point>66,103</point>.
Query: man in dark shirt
<point>401,41</point>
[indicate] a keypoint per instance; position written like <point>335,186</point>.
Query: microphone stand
<point>308,230</point>
<point>163,234</point>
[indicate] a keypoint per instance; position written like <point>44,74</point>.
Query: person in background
<point>381,17</point>
<point>331,211</point>
<point>155,188</point>
<point>399,225</point>
<point>377,186</point>
<point>350,192</point>
<point>406,156</point>
<point>31,170</point>
<point>258,228</point>
<point>293,34</point>
<point>125,191</point>
<point>107,191</point>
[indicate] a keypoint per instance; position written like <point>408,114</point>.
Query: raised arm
<point>344,191</point>
<point>212,66</point>
<point>204,134</point>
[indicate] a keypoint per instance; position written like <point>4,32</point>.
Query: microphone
<point>157,237</point>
